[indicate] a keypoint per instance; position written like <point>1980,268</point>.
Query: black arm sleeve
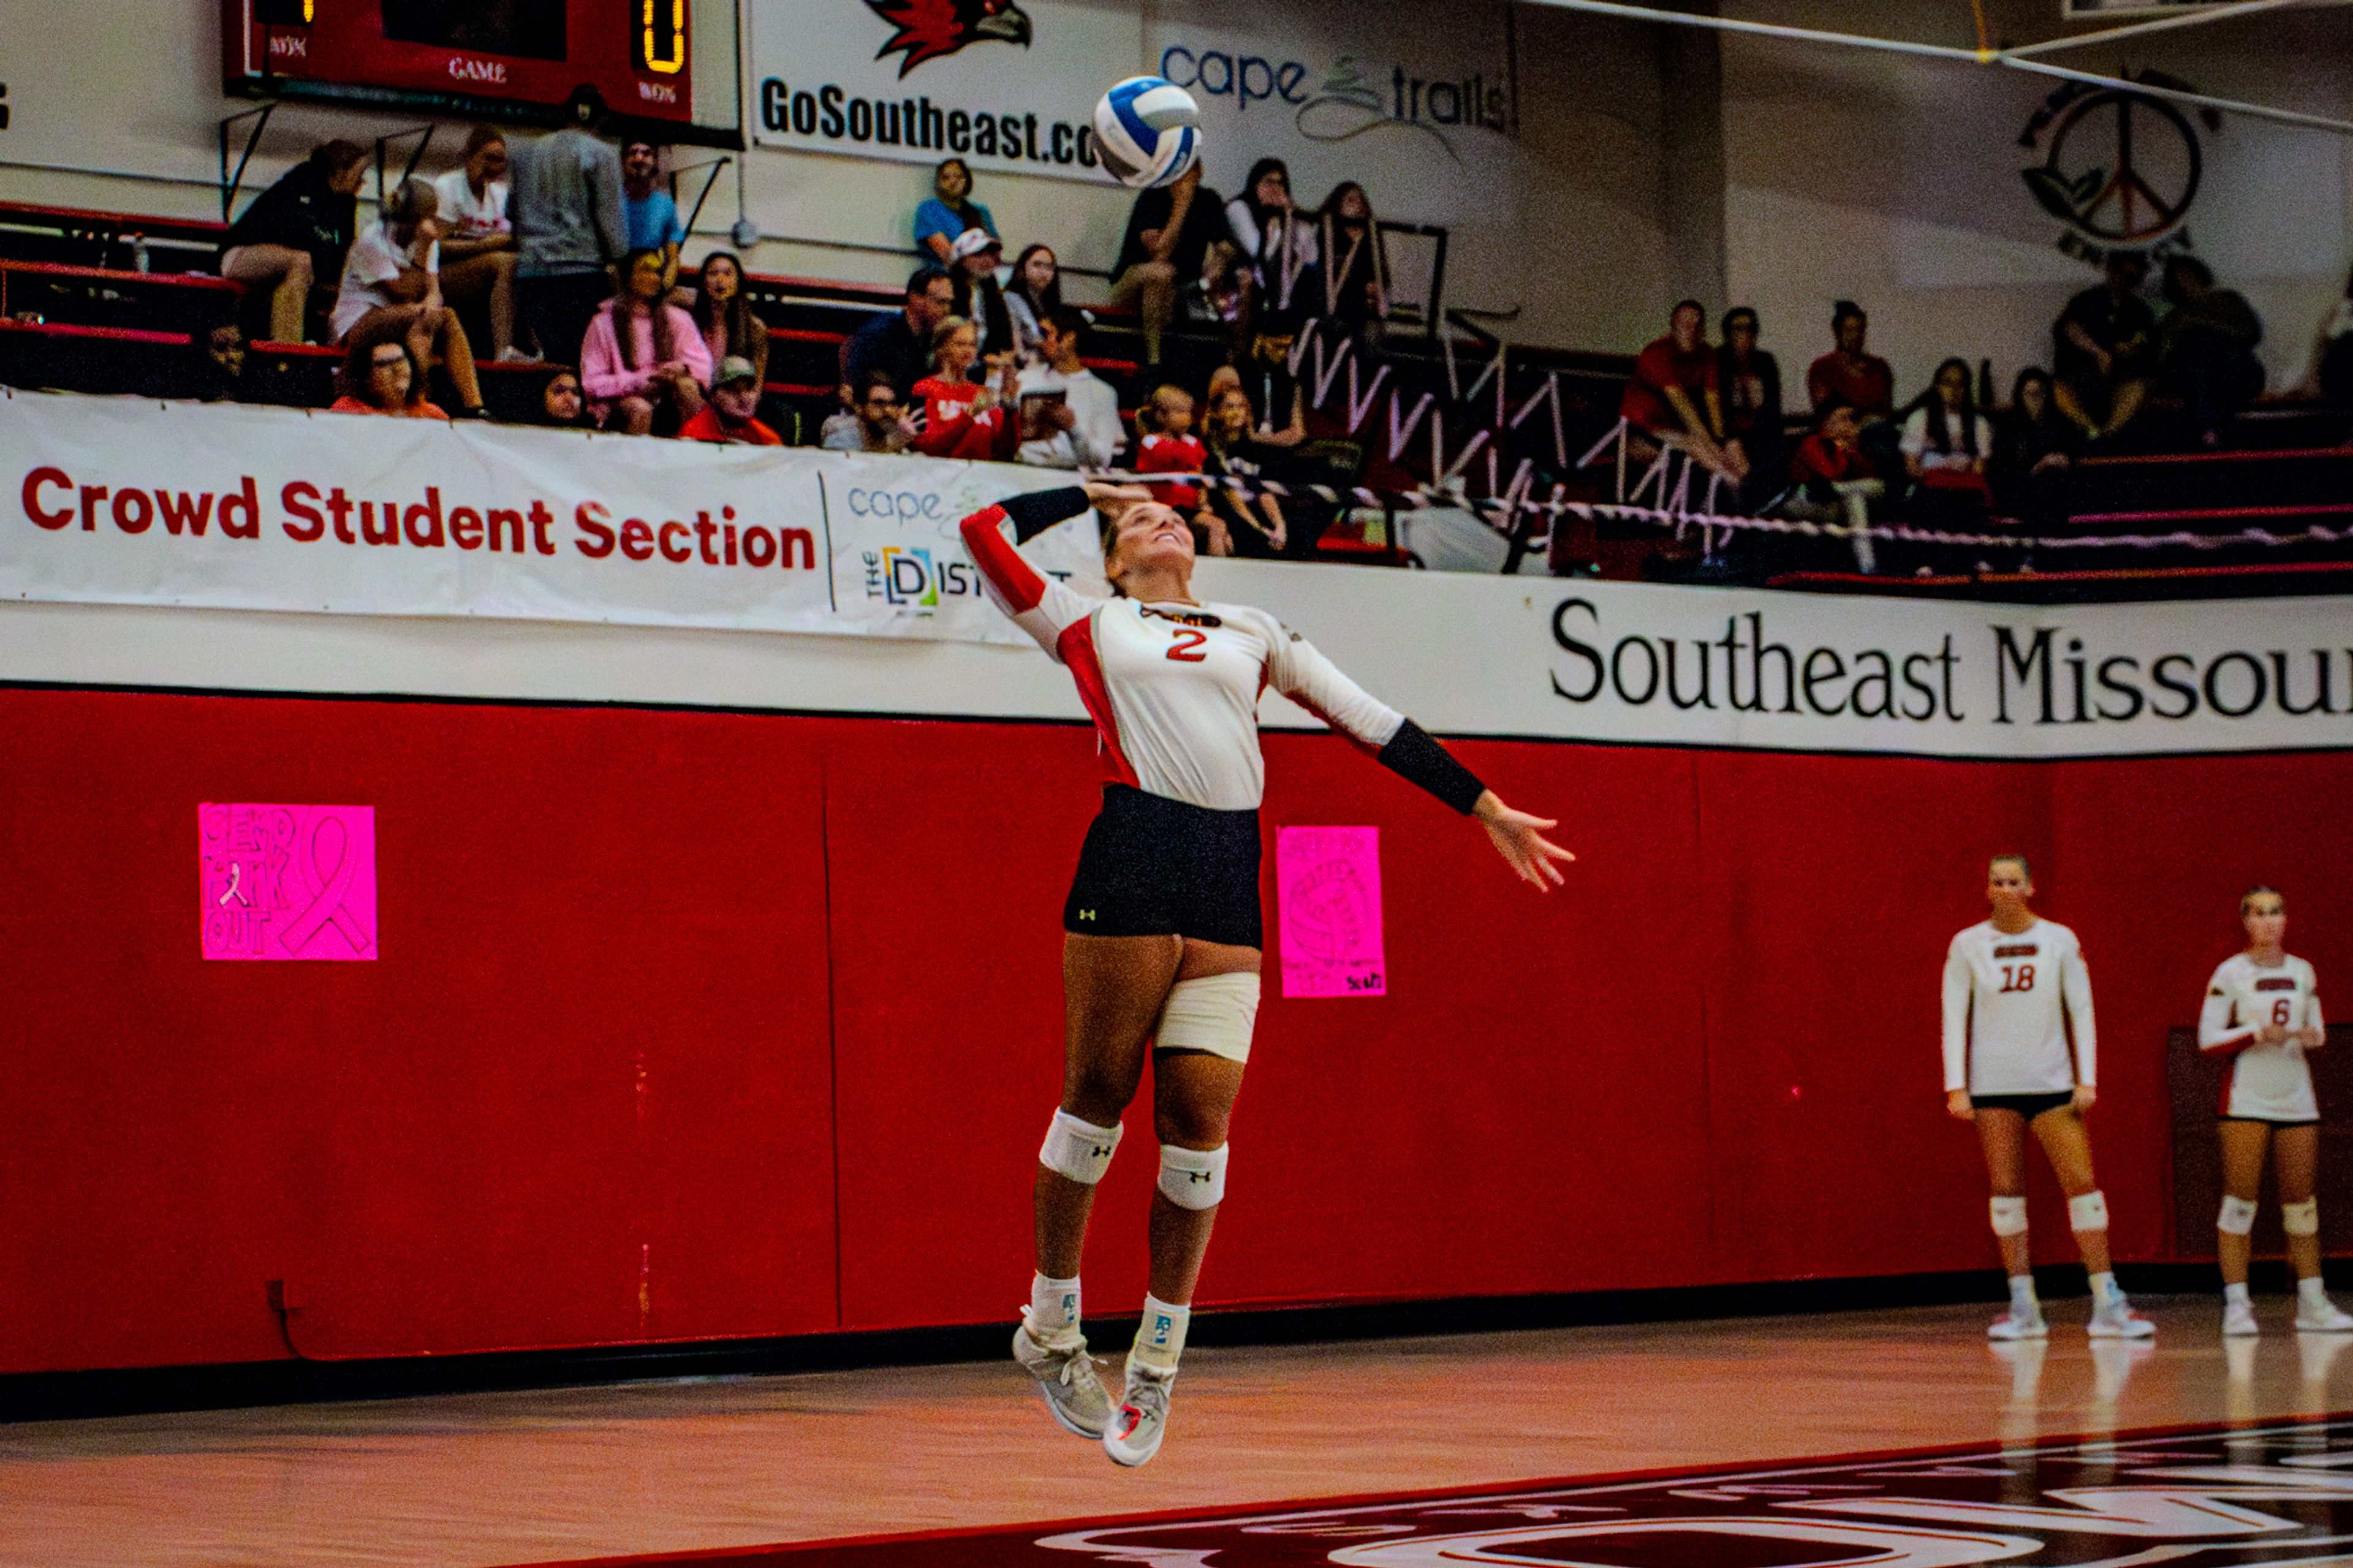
<point>1039,510</point>
<point>1414,757</point>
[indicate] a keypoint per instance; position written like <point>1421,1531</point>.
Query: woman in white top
<point>478,242</point>
<point>1163,933</point>
<point>1278,244</point>
<point>2020,1052</point>
<point>2262,1015</point>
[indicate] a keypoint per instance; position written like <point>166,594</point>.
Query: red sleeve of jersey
<point>1017,583</point>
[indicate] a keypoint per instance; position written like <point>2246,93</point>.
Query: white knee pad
<point>2009,1217</point>
<point>1078,1150</point>
<point>1193,1178</point>
<point>2301,1219</point>
<point>1213,1013</point>
<point>2237,1218</point>
<point>2089,1212</point>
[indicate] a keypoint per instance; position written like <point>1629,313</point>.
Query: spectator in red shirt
<point>1846,374</point>
<point>1676,393</point>
<point>1836,478</point>
<point>381,377</point>
<point>963,415</point>
<point>1165,445</point>
<point>732,414</point>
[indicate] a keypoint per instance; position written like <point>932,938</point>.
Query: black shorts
<point>2026,1105</point>
<point>2269,1121</point>
<point>1155,867</point>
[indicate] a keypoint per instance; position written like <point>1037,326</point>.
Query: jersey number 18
<point>2018,977</point>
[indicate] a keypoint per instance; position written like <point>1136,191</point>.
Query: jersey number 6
<point>2019,977</point>
<point>1188,641</point>
<point>2280,1010</point>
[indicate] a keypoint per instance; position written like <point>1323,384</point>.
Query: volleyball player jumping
<point>1162,942</point>
<point>2015,991</point>
<point>2262,1012</point>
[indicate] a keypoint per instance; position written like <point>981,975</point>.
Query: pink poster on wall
<point>1328,902</point>
<point>287,881</point>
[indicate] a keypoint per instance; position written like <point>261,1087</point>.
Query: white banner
<point>128,502</point>
<point>1422,96</point>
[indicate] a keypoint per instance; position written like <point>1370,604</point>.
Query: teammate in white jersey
<point>1162,942</point>
<point>2021,1051</point>
<point>2262,1013</point>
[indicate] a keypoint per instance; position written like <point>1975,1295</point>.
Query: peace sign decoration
<point>2119,168</point>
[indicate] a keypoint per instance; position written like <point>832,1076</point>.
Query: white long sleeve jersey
<point>1174,688</point>
<point>2011,1000</point>
<point>2268,1083</point>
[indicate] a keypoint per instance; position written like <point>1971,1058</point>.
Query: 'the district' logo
<point>902,576</point>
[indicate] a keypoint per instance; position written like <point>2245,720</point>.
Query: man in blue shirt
<point>651,216</point>
<point>899,345</point>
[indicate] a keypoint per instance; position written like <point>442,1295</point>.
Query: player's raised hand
<point>1519,839</point>
<point>1114,499</point>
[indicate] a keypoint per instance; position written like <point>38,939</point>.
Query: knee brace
<point>1078,1150</point>
<point>1213,1013</point>
<point>1193,1178</point>
<point>2089,1212</point>
<point>2301,1219</point>
<point>2237,1218</point>
<point>2009,1217</point>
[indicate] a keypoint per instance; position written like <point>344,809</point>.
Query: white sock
<point>2235,1295</point>
<point>1160,1338</point>
<point>1053,1314</point>
<point>2104,1292</point>
<point>2312,1291</point>
<point>2022,1300</point>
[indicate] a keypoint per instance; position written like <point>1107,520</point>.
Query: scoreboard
<point>524,55</point>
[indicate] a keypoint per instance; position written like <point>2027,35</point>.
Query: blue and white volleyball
<point>1148,131</point>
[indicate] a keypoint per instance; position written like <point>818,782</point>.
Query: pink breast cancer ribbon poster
<point>1328,902</point>
<point>287,881</point>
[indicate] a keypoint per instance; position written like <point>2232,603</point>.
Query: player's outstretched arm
<point>1520,839</point>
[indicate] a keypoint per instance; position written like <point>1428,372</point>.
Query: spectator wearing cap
<point>949,211</point>
<point>566,206</point>
<point>875,421</point>
<point>733,414</point>
<point>899,345</point>
<point>647,211</point>
<point>1675,395</point>
<point>1069,416</point>
<point>973,260</point>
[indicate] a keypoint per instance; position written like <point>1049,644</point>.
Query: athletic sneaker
<point>1134,1433</point>
<point>1066,1378</point>
<point>2117,1320</point>
<point>2326,1319</point>
<point>2011,1325</point>
<point>2238,1319</point>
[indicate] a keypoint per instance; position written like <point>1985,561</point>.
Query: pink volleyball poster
<point>286,881</point>
<point>1328,902</point>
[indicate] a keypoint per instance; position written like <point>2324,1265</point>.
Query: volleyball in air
<point>1148,131</point>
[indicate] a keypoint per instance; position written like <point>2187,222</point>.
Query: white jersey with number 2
<point>2266,1083</point>
<point>2010,998</point>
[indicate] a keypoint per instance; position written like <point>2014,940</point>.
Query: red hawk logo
<point>928,29</point>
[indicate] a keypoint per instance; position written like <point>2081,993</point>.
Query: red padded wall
<point>696,1024</point>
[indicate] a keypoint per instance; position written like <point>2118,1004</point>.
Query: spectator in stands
<point>1945,447</point>
<point>1848,373</point>
<point>642,359</point>
<point>219,372</point>
<point>294,234</point>
<point>392,288</point>
<point>1219,301</point>
<point>561,404</point>
<point>1836,478</point>
<point>1165,444</point>
<point>1036,294</point>
<point>875,421</point>
<point>565,206</point>
<point>899,345</point>
<point>1351,257</point>
<point>2207,355</point>
<point>1675,395</point>
<point>1267,380</point>
<point>478,242</point>
<point>2105,340</point>
<point>1749,381</point>
<point>1069,416</point>
<point>1169,230</point>
<point>384,378</point>
<point>733,414</point>
<point>976,256</point>
<point>963,415</point>
<point>729,325</point>
<point>2332,353</point>
<point>648,214</point>
<point>2033,445</point>
<point>1229,517</point>
<point>948,212</point>
<point>1277,243</point>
